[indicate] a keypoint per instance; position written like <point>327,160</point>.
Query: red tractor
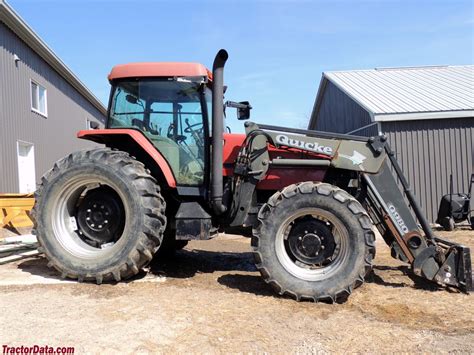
<point>168,174</point>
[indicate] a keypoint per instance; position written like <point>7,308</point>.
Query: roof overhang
<point>383,117</point>
<point>11,19</point>
<point>143,70</point>
<point>422,115</point>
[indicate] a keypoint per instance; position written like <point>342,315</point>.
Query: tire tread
<point>151,199</point>
<point>342,197</point>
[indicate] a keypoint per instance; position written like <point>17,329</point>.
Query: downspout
<point>217,184</point>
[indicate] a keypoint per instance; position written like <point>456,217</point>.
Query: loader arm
<point>395,212</point>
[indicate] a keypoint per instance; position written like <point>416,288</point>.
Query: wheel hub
<point>100,216</point>
<point>311,242</point>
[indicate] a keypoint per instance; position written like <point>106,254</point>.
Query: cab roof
<point>163,69</point>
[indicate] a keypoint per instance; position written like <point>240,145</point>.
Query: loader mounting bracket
<point>378,144</point>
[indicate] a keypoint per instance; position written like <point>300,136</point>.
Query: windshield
<point>170,113</point>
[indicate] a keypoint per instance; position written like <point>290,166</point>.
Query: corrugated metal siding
<point>53,137</point>
<point>429,151</point>
<point>409,90</point>
<point>340,114</point>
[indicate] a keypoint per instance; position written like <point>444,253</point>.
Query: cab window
<point>170,115</point>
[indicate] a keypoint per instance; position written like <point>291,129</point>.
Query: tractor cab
<point>170,104</point>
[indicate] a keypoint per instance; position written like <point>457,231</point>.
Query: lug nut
<point>100,225</point>
<point>102,207</point>
<point>94,205</point>
<point>106,221</point>
<point>89,210</point>
<point>322,247</point>
<point>88,218</point>
<point>92,225</point>
<point>106,213</point>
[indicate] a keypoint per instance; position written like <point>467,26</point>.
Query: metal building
<point>426,112</point>
<point>42,106</point>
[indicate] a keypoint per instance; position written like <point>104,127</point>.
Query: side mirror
<point>243,109</point>
<point>243,113</point>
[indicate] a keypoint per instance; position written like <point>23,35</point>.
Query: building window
<point>38,99</point>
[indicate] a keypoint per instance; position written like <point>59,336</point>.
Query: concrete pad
<point>21,264</point>
<point>34,271</point>
<point>25,238</point>
<point>30,271</point>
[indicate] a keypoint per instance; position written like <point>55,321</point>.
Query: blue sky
<point>278,49</point>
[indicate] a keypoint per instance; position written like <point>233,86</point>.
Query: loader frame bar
<point>409,194</point>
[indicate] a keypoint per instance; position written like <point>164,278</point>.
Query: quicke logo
<point>296,143</point>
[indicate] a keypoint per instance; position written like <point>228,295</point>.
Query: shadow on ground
<point>243,277</point>
<point>187,263</point>
<point>253,284</point>
<point>184,264</point>
<point>402,271</point>
<point>38,266</point>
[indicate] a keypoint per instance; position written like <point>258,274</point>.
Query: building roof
<point>136,70</point>
<point>10,18</point>
<point>406,93</point>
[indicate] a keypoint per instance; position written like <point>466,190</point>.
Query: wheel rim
<point>312,244</point>
<point>80,236</point>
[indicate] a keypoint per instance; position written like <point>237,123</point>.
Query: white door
<point>26,167</point>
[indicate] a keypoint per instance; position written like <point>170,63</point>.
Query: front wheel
<point>99,216</point>
<point>313,241</point>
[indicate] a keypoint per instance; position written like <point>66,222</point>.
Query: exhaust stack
<point>217,131</point>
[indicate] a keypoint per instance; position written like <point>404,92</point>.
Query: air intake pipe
<point>217,184</point>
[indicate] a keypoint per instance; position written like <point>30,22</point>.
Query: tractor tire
<point>98,216</point>
<point>295,224</point>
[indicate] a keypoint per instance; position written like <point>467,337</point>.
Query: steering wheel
<point>190,128</point>
<point>197,134</point>
<point>180,139</point>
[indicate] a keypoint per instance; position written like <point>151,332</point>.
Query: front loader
<point>168,174</point>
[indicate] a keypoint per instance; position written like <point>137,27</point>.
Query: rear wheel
<point>314,241</point>
<point>99,215</point>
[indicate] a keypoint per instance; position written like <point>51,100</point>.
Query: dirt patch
<point>210,298</point>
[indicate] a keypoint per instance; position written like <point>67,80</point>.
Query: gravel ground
<point>209,298</point>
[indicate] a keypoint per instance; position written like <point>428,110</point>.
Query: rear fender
<point>135,143</point>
